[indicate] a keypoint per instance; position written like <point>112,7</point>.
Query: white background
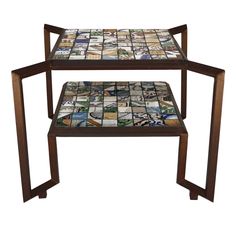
<point>117,186</point>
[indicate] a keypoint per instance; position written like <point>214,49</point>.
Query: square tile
<point>110,116</point>
<point>125,123</point>
<point>124,109</point>
<point>109,123</point>
<point>94,123</point>
<point>95,115</point>
<point>80,116</point>
<point>125,116</point>
<point>139,109</point>
<point>78,123</point>
<point>139,122</point>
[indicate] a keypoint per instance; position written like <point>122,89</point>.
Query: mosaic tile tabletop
<point>116,104</point>
<point>116,44</point>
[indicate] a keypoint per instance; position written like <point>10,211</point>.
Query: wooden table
<point>149,109</point>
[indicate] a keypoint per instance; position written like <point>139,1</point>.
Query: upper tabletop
<point>116,44</point>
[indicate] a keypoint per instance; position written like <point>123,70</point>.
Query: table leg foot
<point>42,194</point>
<point>193,195</point>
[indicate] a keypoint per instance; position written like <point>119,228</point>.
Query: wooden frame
<point>209,190</point>
<point>28,193</point>
<point>183,65</point>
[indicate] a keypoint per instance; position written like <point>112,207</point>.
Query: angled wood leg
<point>183,145</point>
<point>21,136</point>
<point>41,190</point>
<point>52,147</point>
<point>214,135</point>
<point>184,40</point>
<point>209,190</point>
<point>184,43</point>
<point>47,49</point>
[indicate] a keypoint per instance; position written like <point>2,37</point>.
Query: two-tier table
<point>117,108</point>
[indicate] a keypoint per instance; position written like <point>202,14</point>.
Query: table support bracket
<point>41,190</point>
<point>209,190</point>
<point>183,30</point>
<point>47,49</point>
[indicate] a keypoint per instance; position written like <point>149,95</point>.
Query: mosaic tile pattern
<point>117,44</point>
<point>116,104</point>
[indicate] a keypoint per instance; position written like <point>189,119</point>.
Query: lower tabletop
<point>87,108</point>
